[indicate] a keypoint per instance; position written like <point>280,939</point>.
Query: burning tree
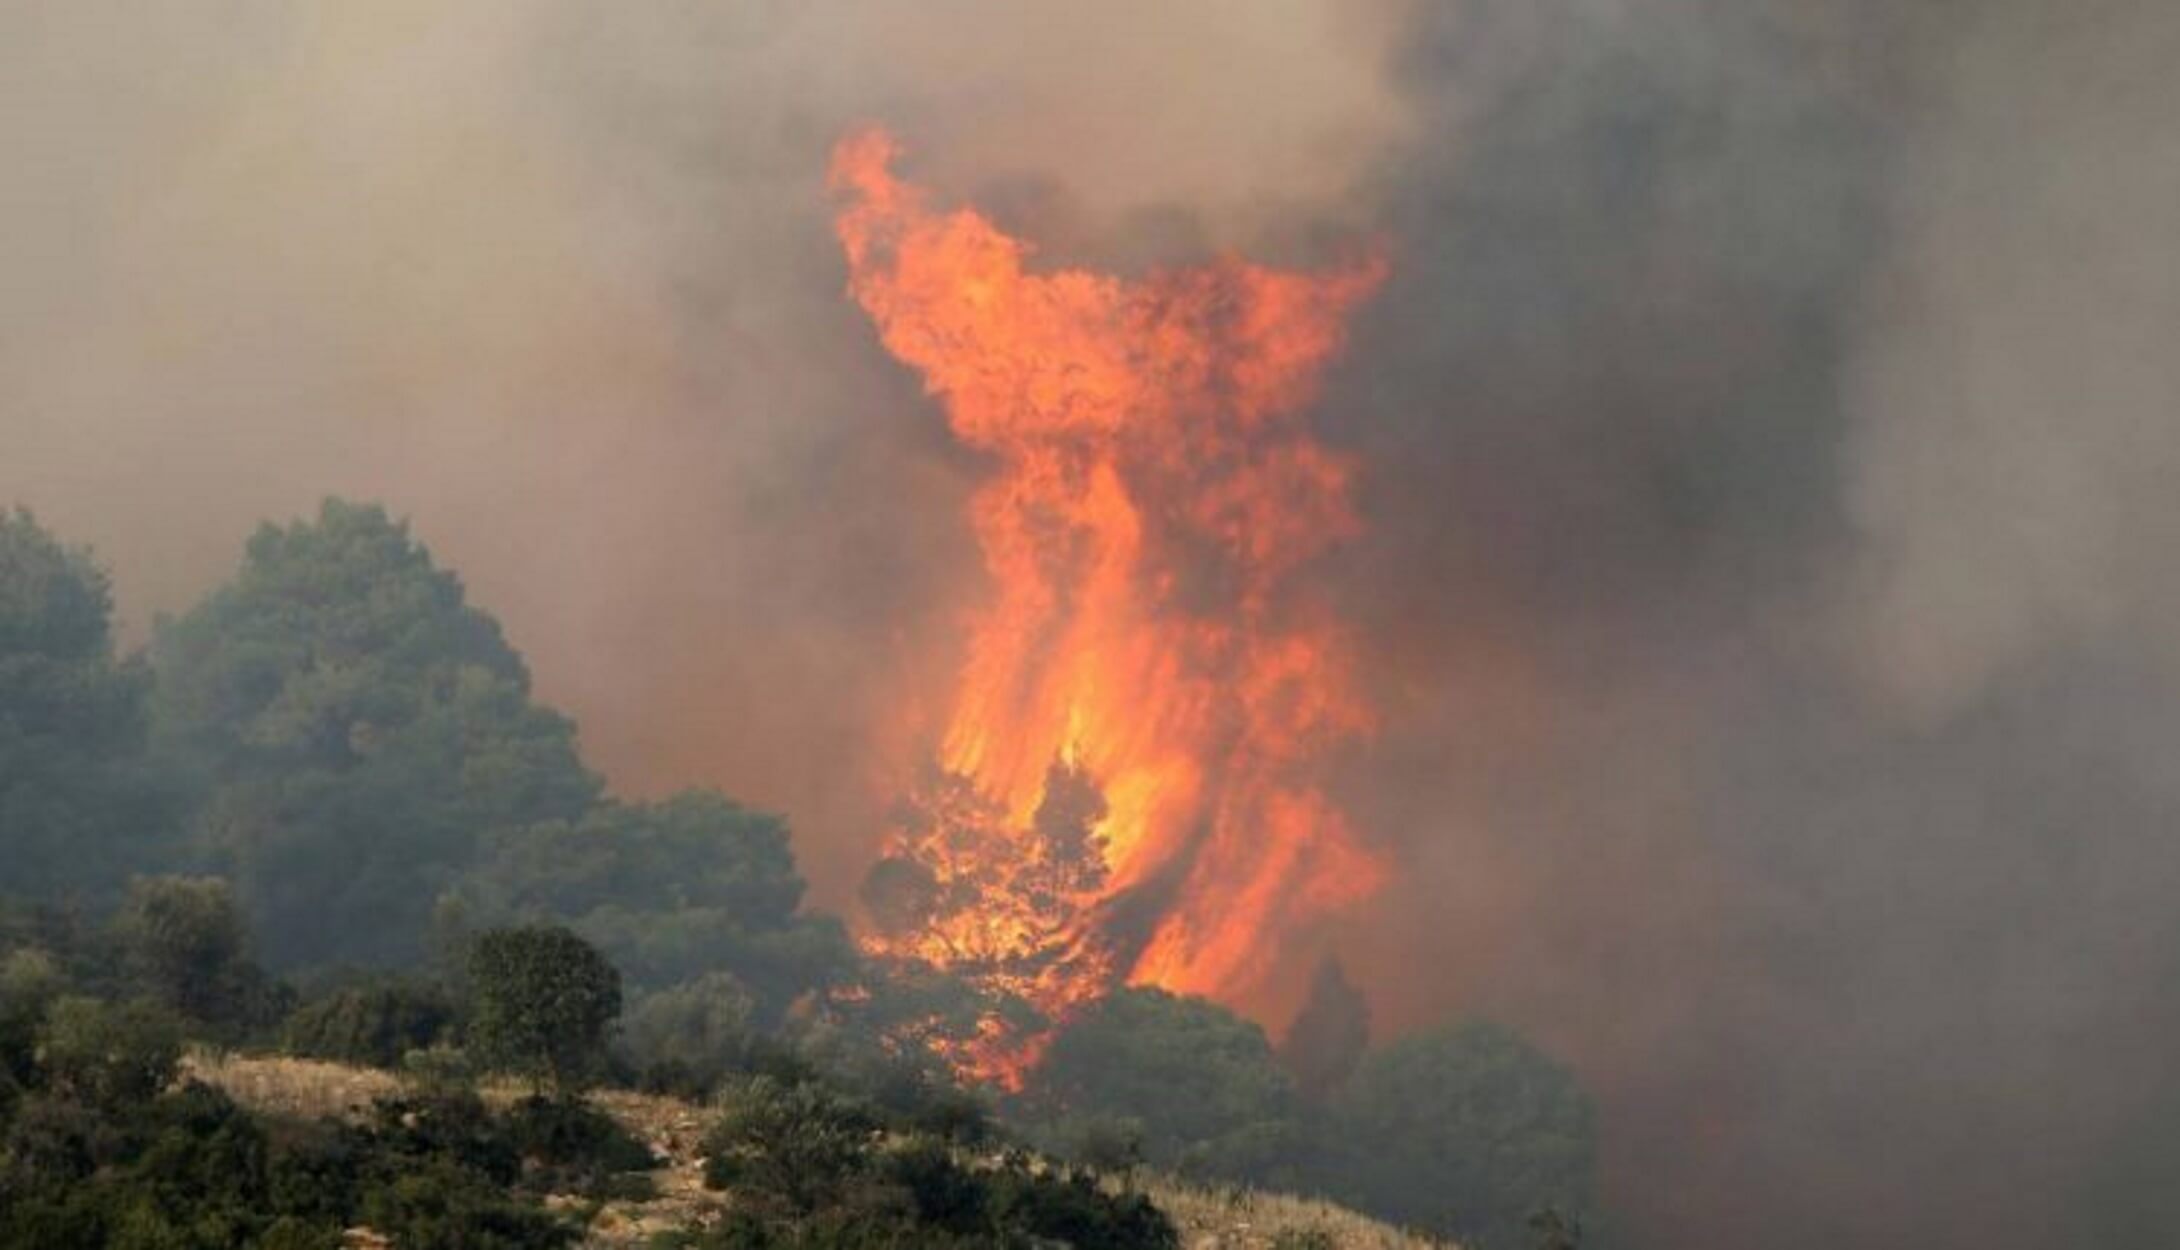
<point>1129,786</point>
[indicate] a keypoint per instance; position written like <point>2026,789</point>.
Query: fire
<point>1129,786</point>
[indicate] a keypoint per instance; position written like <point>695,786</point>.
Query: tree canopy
<point>543,1000</point>
<point>1468,1130</point>
<point>1200,1082</point>
<point>360,726</point>
<point>671,891</point>
<point>80,801</point>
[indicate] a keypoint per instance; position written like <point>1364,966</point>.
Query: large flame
<point>1128,786</point>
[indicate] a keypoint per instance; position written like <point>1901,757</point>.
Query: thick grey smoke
<point>1768,427</point>
<point>1772,421</point>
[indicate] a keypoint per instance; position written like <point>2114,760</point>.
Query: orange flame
<point>1128,785</point>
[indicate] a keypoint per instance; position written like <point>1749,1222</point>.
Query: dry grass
<point>1209,1219</point>
<point>1232,1218</point>
<point>281,1085</point>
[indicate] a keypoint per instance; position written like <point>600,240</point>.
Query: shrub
<point>799,1144</point>
<point>29,982</point>
<point>1201,1083</point>
<point>435,1205</point>
<point>1072,1207</point>
<point>1467,1131</point>
<point>186,944</point>
<point>110,1054</point>
<point>544,999</point>
<point>688,1039</point>
<point>567,1145</point>
<point>375,1024</point>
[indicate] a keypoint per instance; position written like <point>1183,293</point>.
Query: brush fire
<point>1130,782</point>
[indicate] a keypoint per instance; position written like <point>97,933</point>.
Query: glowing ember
<point>1128,786</point>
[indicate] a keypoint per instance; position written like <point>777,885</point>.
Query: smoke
<point>557,281</point>
<point>1769,416</point>
<point>1768,426</point>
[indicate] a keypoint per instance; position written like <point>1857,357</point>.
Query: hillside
<point>1226,1218</point>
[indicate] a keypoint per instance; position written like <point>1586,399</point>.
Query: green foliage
<point>187,947</point>
<point>1072,1208</point>
<point>569,1146</point>
<point>1201,1083</point>
<point>800,1144</point>
<point>188,1170</point>
<point>109,1054</point>
<point>670,891</point>
<point>811,1167</point>
<point>375,1024</point>
<point>688,1039</point>
<point>1467,1131</point>
<point>1103,1143</point>
<point>439,1170</point>
<point>80,801</point>
<point>29,982</point>
<point>542,1001</point>
<point>361,726</point>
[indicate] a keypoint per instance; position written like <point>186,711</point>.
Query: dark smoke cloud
<point>1769,429</point>
<point>1767,580</point>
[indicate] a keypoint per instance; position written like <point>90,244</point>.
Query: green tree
<point>81,804</point>
<point>543,1000</point>
<point>361,726</point>
<point>801,1144</point>
<point>1468,1131</point>
<point>670,891</point>
<point>688,1038</point>
<point>187,946</point>
<point>109,1055</point>
<point>376,1023</point>
<point>1201,1082</point>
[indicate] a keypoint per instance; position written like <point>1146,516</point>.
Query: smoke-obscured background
<point>1768,428</point>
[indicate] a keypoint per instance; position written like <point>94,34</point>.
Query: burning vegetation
<point>1130,784</point>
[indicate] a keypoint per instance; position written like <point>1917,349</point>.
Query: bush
<point>437,1206</point>
<point>543,1001</point>
<point>569,1146</point>
<point>186,945</point>
<point>1073,1208</point>
<point>1200,1082</point>
<point>110,1055</point>
<point>375,1024</point>
<point>811,1168</point>
<point>29,982</point>
<point>688,1039</point>
<point>800,1144</point>
<point>1466,1131</point>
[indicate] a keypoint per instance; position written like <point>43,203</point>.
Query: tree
<point>1468,1131</point>
<point>377,1023</point>
<point>109,1055</point>
<point>1200,1081</point>
<point>1328,1036</point>
<point>671,891</point>
<point>361,727</point>
<point>81,804</point>
<point>187,946</point>
<point>688,1038</point>
<point>543,1000</point>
